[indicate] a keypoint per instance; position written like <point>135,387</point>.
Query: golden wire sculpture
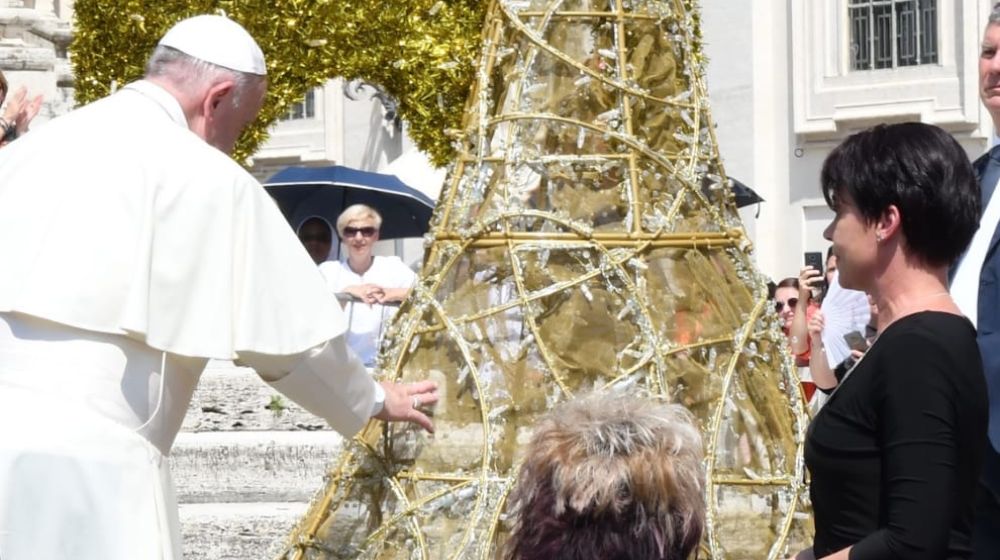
<point>586,239</point>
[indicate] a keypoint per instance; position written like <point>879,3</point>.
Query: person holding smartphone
<point>809,281</point>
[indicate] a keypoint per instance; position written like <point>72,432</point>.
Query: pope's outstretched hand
<point>403,402</point>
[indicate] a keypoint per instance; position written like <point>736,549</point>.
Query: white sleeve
<point>331,274</point>
<point>327,380</point>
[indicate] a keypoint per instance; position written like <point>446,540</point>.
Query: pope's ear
<point>218,94</point>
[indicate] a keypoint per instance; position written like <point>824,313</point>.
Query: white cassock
<point>132,252</point>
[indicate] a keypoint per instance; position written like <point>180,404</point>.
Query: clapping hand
<point>14,104</point>
<point>19,111</point>
<point>28,112</point>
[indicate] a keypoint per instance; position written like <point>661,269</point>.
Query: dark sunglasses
<point>790,302</point>
<point>366,231</point>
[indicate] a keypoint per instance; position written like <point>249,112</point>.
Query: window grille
<point>892,33</point>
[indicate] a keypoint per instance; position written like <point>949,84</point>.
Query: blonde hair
<point>610,476</point>
<point>357,212</point>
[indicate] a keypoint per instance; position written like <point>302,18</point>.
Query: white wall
<point>746,44</point>
<point>782,98</point>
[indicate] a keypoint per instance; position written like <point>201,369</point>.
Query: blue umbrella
<point>326,191</point>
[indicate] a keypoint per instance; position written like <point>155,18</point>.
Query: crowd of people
<point>823,352</point>
<point>192,262</point>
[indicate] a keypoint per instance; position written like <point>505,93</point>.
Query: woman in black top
<point>895,454</point>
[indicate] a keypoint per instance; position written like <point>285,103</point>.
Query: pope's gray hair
<point>192,73</point>
<point>994,18</point>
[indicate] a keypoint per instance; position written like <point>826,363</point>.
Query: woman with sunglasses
<point>371,283</point>
<point>789,302</point>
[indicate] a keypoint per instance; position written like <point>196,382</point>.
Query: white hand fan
<point>843,311</point>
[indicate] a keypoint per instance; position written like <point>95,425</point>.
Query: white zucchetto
<point>217,40</point>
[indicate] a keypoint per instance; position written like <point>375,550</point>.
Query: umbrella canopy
<point>742,194</point>
<point>302,192</point>
<point>416,170</point>
<point>745,196</point>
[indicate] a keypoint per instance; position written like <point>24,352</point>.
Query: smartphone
<point>856,341</point>
<point>815,260</point>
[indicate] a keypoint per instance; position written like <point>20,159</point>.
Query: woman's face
<point>784,302</point>
<point>360,236</point>
<point>317,239</point>
<point>854,245</point>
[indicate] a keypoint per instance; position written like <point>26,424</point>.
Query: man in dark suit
<point>976,289</point>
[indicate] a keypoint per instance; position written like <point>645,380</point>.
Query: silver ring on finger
<point>416,402</point>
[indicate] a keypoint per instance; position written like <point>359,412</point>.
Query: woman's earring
<point>878,237</point>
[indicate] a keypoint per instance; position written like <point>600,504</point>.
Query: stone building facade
<point>788,80</point>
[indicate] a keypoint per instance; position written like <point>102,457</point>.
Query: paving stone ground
<point>245,466</point>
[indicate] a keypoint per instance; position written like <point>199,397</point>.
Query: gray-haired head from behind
<point>610,477</point>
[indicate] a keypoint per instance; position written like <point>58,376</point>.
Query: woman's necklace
<point>879,334</point>
<point>912,307</point>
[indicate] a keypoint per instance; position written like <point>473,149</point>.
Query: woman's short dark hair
<point>921,170</point>
<point>3,86</point>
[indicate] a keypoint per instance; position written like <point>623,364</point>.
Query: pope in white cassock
<point>134,249</point>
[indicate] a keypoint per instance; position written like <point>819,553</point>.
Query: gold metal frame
<point>488,228</point>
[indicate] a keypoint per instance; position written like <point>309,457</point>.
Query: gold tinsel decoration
<point>586,238</point>
<point>420,51</point>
